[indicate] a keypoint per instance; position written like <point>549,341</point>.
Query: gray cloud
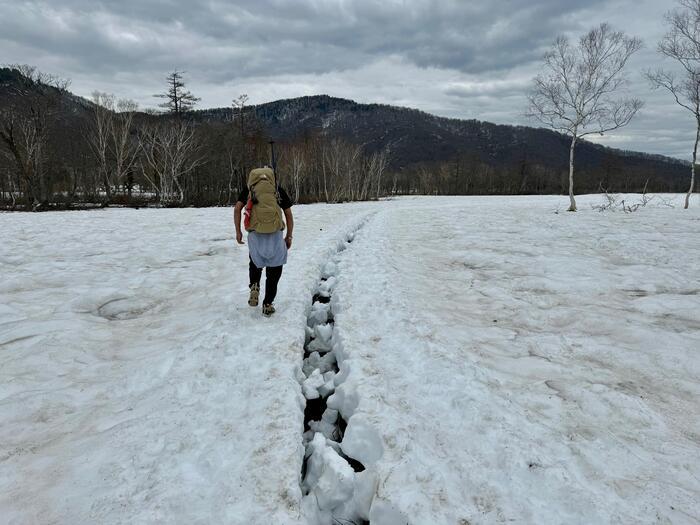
<point>253,37</point>
<point>456,58</point>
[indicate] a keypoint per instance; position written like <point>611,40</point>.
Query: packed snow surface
<point>497,362</point>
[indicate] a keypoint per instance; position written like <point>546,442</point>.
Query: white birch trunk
<point>692,170</point>
<point>572,150</point>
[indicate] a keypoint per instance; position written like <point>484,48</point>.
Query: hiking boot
<point>254,294</point>
<point>268,310</point>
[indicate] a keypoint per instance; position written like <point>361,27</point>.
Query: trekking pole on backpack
<point>272,155</point>
<point>274,165</point>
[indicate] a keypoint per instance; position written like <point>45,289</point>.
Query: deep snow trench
<point>335,484</point>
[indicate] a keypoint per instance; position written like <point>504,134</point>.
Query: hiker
<point>264,202</point>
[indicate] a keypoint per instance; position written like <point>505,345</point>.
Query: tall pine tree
<point>178,99</point>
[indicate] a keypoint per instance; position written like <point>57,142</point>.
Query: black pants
<point>272,278</point>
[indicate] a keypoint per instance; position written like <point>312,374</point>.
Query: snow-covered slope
<point>496,362</point>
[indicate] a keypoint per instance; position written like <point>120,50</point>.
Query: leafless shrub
<point>613,202</point>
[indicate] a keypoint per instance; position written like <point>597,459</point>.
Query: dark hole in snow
<point>356,465</point>
<point>318,298</point>
<point>313,411</point>
<point>342,425</point>
<point>304,467</point>
<point>341,521</point>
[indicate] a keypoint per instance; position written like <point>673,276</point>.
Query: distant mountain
<point>415,137</point>
<point>535,159</point>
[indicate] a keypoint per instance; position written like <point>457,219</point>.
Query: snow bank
<point>521,365</point>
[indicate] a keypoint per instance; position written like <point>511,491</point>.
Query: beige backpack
<point>263,206</point>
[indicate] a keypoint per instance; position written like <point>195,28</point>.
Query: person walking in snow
<point>264,202</point>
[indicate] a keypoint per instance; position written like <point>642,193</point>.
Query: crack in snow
<point>336,487</point>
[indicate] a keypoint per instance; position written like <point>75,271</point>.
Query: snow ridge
<point>336,486</point>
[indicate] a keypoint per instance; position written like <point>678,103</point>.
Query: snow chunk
<point>323,335</point>
<point>345,399</point>
<point>329,270</point>
<point>329,477</point>
<point>362,441</point>
<point>311,385</point>
<point>315,360</point>
<point>358,508</point>
<point>320,314</point>
<point>325,289</point>
<point>327,425</point>
<point>328,387</point>
<point>309,332</point>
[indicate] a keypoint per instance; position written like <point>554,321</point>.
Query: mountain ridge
<point>448,123</point>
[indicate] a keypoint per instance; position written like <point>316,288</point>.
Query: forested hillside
<point>60,150</point>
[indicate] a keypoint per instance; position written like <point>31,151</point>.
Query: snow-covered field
<point>496,362</point>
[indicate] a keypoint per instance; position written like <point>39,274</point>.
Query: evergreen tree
<point>178,99</point>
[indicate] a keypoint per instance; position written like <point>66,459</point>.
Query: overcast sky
<point>454,58</point>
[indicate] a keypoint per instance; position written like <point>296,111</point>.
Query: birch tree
<point>170,154</point>
<point>124,147</point>
<point>99,138</point>
<point>377,166</point>
<point>577,94</point>
<point>297,164</point>
<point>682,44</point>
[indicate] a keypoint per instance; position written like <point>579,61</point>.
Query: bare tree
<point>342,169</point>
<point>24,131</point>
<point>99,138</point>
<point>124,147</point>
<point>682,44</point>
<point>375,171</point>
<point>576,94</point>
<point>178,99</point>
<point>111,141</point>
<point>24,135</point>
<point>170,154</point>
<point>238,106</point>
<point>297,163</point>
<point>34,75</point>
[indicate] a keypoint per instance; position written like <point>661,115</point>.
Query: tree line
<point>119,155</point>
<point>116,154</point>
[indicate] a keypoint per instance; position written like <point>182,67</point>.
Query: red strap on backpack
<point>248,211</point>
